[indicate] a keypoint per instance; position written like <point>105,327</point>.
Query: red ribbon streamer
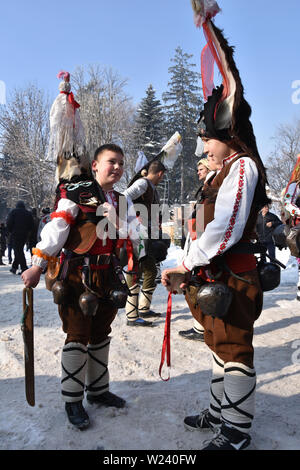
<point>129,249</point>
<point>71,99</point>
<point>166,347</point>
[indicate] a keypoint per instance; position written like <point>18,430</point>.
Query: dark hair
<point>156,166</point>
<point>110,147</point>
<point>46,210</point>
<point>20,205</point>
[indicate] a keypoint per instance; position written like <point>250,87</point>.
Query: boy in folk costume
<point>142,190</point>
<point>85,230</point>
<point>196,333</point>
<point>291,203</point>
<point>232,201</point>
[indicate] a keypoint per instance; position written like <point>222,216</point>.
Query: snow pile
<point>154,416</point>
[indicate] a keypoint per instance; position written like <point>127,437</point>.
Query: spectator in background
<point>292,207</point>
<point>203,169</point>
<point>9,247</point>
<point>265,225</point>
<point>32,239</point>
<point>144,191</point>
<point>20,224</point>
<point>2,242</point>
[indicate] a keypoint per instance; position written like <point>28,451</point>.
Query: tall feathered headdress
<point>67,139</point>
<point>167,156</point>
<point>226,113</point>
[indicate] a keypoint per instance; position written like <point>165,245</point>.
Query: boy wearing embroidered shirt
<point>229,219</point>
<point>292,207</point>
<point>73,229</point>
<point>224,252</point>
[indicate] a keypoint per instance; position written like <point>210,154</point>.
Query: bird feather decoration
<point>67,138</point>
<point>171,151</point>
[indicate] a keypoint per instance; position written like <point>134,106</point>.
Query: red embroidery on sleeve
<point>64,215</point>
<point>238,197</point>
<point>187,269</point>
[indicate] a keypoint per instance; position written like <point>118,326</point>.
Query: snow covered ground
<point>153,419</point>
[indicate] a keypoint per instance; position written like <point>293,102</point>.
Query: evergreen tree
<point>183,104</point>
<point>149,124</point>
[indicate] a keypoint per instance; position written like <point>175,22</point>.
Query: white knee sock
<point>238,404</point>
<point>145,299</point>
<point>131,307</point>
<point>73,362</point>
<point>97,374</point>
<point>216,386</point>
<point>198,327</point>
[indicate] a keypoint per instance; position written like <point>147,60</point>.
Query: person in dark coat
<point>2,242</point>
<point>9,247</point>
<point>32,240</point>
<point>20,224</point>
<point>265,225</point>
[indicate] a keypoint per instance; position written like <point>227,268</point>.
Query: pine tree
<point>183,103</point>
<point>149,124</point>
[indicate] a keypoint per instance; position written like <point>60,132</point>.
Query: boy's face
<point>108,168</point>
<point>202,171</point>
<point>216,151</point>
<point>161,175</point>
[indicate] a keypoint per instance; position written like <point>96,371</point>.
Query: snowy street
<point>153,418</point>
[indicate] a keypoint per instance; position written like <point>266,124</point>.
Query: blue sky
<point>137,38</point>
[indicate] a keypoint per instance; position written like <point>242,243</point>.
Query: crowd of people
<point>21,231</point>
<point>86,350</point>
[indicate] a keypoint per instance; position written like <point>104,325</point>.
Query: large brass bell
<point>88,303</point>
<point>60,293</point>
<point>214,299</point>
<point>269,275</point>
<point>118,297</point>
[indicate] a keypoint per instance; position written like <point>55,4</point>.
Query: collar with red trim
<point>228,159</point>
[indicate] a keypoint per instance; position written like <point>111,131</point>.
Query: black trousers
<point>270,249</point>
<point>19,259</point>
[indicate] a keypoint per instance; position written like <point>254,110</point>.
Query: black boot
<point>106,399</point>
<point>139,322</point>
<point>192,334</point>
<point>228,438</point>
<point>149,313</point>
<point>77,414</point>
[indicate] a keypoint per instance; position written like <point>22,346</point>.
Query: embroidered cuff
<point>70,220</point>
<point>40,262</point>
<point>40,254</point>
